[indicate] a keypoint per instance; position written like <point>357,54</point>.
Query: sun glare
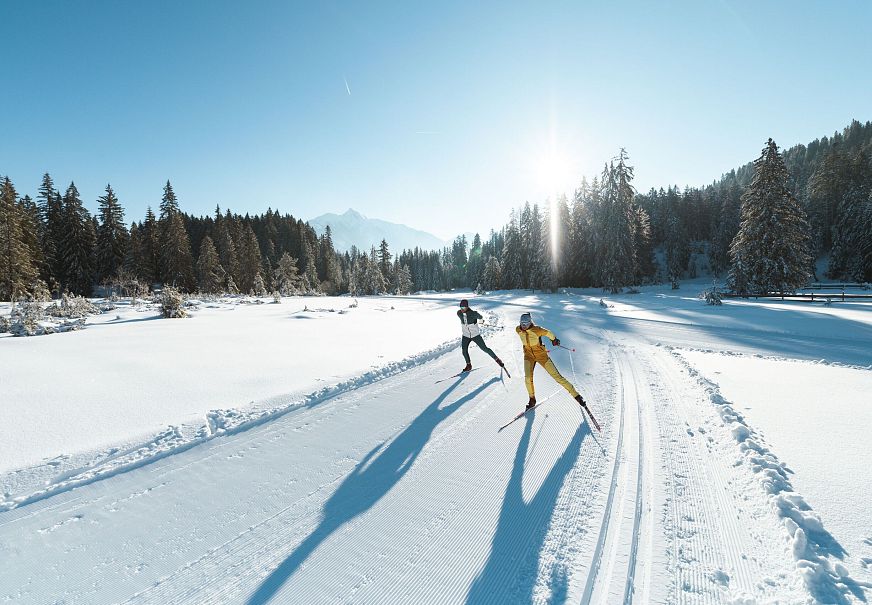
<point>553,171</point>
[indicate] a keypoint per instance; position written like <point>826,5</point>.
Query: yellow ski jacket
<point>531,338</point>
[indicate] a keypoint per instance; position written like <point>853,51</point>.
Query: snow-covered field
<point>262,453</point>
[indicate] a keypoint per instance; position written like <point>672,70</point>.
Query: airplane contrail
<point>346,85</point>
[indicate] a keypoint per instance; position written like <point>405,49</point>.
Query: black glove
<point>556,342</point>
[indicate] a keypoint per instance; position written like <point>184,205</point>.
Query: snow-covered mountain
<point>354,229</point>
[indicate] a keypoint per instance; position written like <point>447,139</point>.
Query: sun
<point>553,171</point>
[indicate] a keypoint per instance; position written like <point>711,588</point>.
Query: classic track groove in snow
<point>613,570</point>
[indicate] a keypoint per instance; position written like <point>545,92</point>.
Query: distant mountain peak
<point>351,228</point>
<point>352,213</point>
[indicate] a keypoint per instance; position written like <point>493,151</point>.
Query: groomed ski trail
<point>403,491</point>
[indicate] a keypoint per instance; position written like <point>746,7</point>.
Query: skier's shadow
<point>371,479</point>
<point>509,575</point>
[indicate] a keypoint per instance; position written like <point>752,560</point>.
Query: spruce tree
<point>51,213</point>
<point>177,263</point>
<point>511,260</point>
<point>772,250</point>
<point>210,274</point>
<point>18,272</point>
<point>227,252</point>
<point>77,246</point>
<point>332,270</point>
<point>309,271</point>
<point>374,279</point>
<point>384,260</point>
<point>404,280</point>
<point>676,250</point>
<point>617,254</point>
<point>560,240</point>
<point>645,265</point>
<point>249,260</point>
<point>31,227</point>
<point>727,227</point>
<point>491,277</point>
<point>286,276</point>
<point>151,255</point>
<point>579,247</point>
<point>112,236</point>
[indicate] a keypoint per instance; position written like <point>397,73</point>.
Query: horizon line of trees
<point>762,226</point>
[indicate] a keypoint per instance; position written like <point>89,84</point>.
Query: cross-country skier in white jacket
<point>472,333</point>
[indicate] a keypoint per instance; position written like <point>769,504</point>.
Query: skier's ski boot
<point>581,401</point>
<point>467,368</point>
<point>531,403</point>
<point>500,362</point>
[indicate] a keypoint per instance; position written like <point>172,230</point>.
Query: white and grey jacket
<point>469,322</point>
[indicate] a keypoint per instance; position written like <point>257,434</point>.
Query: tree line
<point>761,226</point>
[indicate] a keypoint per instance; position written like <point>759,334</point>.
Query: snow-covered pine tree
<point>526,244</point>
<point>727,227</point>
<point>249,259</point>
<point>266,273</point>
<point>851,238</point>
<point>78,244</point>
<point>384,260</point>
<point>646,268</point>
<point>511,258</point>
<point>404,280</point>
<point>560,242</point>
<point>210,274</point>
<point>374,279</point>
<point>112,236</point>
<point>676,250</point>
<point>355,278</point>
<point>51,214</point>
<point>18,272</point>
<point>579,246</point>
<point>177,263</point>
<point>475,264</point>
<point>542,265</point>
<point>309,271</point>
<point>151,257</point>
<point>617,255</point>
<point>332,271</point>
<point>259,288</point>
<point>286,276</point>
<point>772,250</point>
<point>226,246</point>
<point>491,278</point>
<point>31,226</point>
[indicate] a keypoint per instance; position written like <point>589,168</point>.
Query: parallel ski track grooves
<point>604,534</point>
<point>241,544</point>
<point>637,517</point>
<point>708,521</point>
<point>293,525</point>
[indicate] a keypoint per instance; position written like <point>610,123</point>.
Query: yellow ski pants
<point>530,364</point>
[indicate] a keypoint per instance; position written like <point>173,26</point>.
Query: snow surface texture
<point>816,551</point>
<point>133,384</point>
<point>393,485</point>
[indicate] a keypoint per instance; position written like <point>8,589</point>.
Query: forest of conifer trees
<point>607,236</point>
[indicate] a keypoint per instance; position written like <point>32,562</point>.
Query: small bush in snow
<point>72,307</point>
<point>25,319</point>
<point>277,298</point>
<point>4,324</point>
<point>172,303</point>
<point>712,296</point>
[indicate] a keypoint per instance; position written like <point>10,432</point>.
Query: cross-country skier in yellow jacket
<point>535,352</point>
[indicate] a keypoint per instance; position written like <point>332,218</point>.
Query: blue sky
<point>439,115</point>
